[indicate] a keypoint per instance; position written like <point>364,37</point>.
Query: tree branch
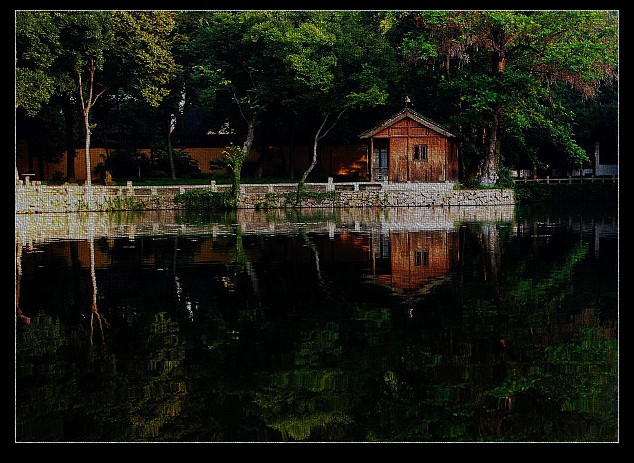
<point>319,137</point>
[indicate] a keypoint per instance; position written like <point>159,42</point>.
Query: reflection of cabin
<point>409,147</point>
<point>414,262</point>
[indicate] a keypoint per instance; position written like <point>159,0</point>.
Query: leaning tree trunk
<point>314,160</point>
<point>321,133</point>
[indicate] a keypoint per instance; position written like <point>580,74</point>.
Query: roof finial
<point>407,101</point>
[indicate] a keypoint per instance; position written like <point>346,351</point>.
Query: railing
<point>568,180</point>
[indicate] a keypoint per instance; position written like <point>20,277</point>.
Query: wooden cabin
<point>409,147</point>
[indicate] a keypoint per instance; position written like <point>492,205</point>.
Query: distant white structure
<point>610,170</point>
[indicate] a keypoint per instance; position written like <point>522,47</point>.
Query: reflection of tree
<point>324,284</point>
<point>510,365</point>
<point>324,389</point>
<point>490,239</point>
<point>68,394</point>
<point>553,287</point>
<point>240,264</point>
<point>155,384</point>
<point>178,289</point>
<point>46,384</point>
<point>18,278</point>
<point>308,397</point>
<point>479,359</point>
<point>95,316</point>
<point>315,251</point>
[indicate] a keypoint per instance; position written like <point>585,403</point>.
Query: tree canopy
<point>518,87</point>
<point>505,67</point>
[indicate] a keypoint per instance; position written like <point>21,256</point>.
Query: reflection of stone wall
<point>33,228</point>
<point>73,198</point>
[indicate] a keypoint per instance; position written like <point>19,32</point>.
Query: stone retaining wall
<point>73,198</point>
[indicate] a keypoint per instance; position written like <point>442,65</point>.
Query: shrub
<point>127,163</point>
<point>505,178</point>
<point>184,165</point>
<point>206,199</point>
<point>472,182</point>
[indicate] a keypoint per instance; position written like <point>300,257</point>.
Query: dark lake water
<point>399,325</point>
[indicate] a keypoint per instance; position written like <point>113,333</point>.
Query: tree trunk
<point>87,147</point>
<point>86,104</point>
<point>246,148</point>
<point>67,110</point>
<point>170,151</point>
<point>490,169</point>
<point>321,133</point>
<point>17,175</point>
<point>314,160</point>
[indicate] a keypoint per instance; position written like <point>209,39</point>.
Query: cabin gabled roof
<point>412,115</point>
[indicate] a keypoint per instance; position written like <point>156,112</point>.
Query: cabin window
<point>421,258</point>
<point>420,152</point>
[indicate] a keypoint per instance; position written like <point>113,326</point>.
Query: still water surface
<point>441,325</point>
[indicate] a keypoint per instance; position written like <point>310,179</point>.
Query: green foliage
<point>536,292</point>
<point>303,196</point>
<point>579,374</point>
<point>266,67</point>
<point>206,199</point>
<point>144,40</point>
<point>518,98</point>
<point>472,182</point>
<point>37,42</point>
<point>270,200</point>
<point>505,178</point>
<point>590,356</point>
<point>233,159</point>
<point>119,203</point>
<point>299,427</point>
<point>184,165</point>
<point>532,192</point>
<point>102,52</point>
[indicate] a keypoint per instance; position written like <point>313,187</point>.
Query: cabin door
<point>381,159</point>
